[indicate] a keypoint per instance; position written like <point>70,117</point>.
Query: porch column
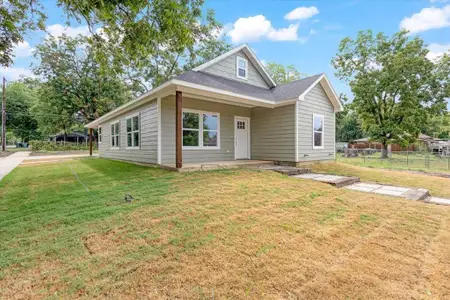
<point>178,130</point>
<point>90,141</point>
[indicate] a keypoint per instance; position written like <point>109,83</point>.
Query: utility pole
<point>4,116</point>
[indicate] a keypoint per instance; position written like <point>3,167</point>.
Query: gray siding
<point>148,131</point>
<point>227,113</point>
<point>273,133</point>
<point>227,68</point>
<point>316,101</point>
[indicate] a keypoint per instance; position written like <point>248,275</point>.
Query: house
<point>72,137</point>
<point>224,110</point>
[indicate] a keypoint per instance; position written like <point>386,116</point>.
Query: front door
<point>242,147</point>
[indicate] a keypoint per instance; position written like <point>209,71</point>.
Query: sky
<point>305,34</point>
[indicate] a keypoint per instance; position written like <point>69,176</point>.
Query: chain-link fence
<point>399,159</point>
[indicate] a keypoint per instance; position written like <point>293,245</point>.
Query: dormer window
<point>241,67</point>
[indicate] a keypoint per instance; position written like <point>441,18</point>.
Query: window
<point>133,132</point>
<point>115,132</point>
<point>318,125</point>
<point>240,125</point>
<point>241,67</point>
<point>99,134</point>
<point>200,130</point>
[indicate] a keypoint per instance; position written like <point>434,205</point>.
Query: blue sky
<point>303,33</point>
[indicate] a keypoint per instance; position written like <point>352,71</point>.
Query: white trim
<point>249,144</point>
<point>296,131</point>
<point>128,117</point>
<point>323,132</point>
<point>249,52</point>
<point>158,109</point>
<point>200,130</point>
<point>239,59</point>
<point>329,90</point>
<point>116,134</point>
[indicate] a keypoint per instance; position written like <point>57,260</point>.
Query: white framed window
<point>115,135</point>
<point>318,131</point>
<point>100,134</point>
<point>201,129</point>
<point>241,67</point>
<point>133,131</point>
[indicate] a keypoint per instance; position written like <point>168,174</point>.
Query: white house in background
<point>224,110</point>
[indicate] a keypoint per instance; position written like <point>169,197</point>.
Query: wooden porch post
<point>178,130</point>
<point>90,141</point>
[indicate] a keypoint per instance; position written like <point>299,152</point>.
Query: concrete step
<point>438,201</point>
<point>286,170</point>
<point>334,180</point>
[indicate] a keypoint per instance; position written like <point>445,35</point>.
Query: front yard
<point>220,234</point>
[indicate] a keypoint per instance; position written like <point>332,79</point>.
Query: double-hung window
<point>99,134</point>
<point>318,131</point>
<point>201,130</point>
<point>241,67</point>
<point>133,129</point>
<point>115,135</point>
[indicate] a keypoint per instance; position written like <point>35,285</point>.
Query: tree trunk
<point>384,151</point>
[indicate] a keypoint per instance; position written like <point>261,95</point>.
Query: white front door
<point>242,135</point>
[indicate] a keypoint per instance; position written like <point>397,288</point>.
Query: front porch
<point>218,165</point>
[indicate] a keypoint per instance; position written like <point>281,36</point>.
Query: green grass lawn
<point>220,234</point>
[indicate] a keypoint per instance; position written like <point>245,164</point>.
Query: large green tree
<point>283,74</point>
<point>348,127</point>
<point>17,17</point>
<point>73,76</point>
<point>19,120</point>
<point>396,87</point>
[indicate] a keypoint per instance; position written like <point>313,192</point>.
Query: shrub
<point>58,146</point>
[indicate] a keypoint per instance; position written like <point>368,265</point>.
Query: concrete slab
<point>308,176</point>
<point>388,191</point>
<point>9,163</point>
<point>363,187</point>
<point>417,194</point>
<point>439,201</point>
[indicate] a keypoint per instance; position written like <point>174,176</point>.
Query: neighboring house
<point>365,143</point>
<point>72,137</point>
<point>224,110</point>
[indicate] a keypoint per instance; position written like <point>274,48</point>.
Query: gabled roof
<point>251,55</point>
<point>282,92</point>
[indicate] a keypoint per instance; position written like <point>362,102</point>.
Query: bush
<point>58,146</point>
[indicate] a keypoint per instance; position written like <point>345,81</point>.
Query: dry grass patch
<point>243,234</point>
<point>438,186</point>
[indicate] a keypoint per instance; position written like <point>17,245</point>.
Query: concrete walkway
<point>9,163</point>
<point>381,189</point>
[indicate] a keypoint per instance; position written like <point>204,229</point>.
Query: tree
<point>165,60</point>
<point>20,98</point>
<point>16,18</point>
<point>283,74</point>
<point>395,86</point>
<point>52,114</point>
<point>348,127</point>
<point>73,78</point>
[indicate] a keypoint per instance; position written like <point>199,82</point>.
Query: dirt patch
<point>5,154</point>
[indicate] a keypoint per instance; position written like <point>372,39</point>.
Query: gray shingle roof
<point>281,92</point>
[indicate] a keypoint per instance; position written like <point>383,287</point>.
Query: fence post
<point>364,154</point>
<point>407,159</point>
<point>448,163</point>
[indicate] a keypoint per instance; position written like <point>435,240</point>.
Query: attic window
<point>241,67</point>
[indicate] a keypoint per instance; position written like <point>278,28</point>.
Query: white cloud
<point>23,49</point>
<point>437,50</point>
<point>426,19</point>
<point>58,30</point>
<point>284,34</point>
<point>249,29</point>
<point>312,32</point>
<point>255,28</point>
<point>13,73</point>
<point>302,13</point>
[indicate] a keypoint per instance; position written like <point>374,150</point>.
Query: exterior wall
<point>316,101</point>
<point>227,68</point>
<point>148,136</point>
<point>273,133</point>
<point>227,113</point>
